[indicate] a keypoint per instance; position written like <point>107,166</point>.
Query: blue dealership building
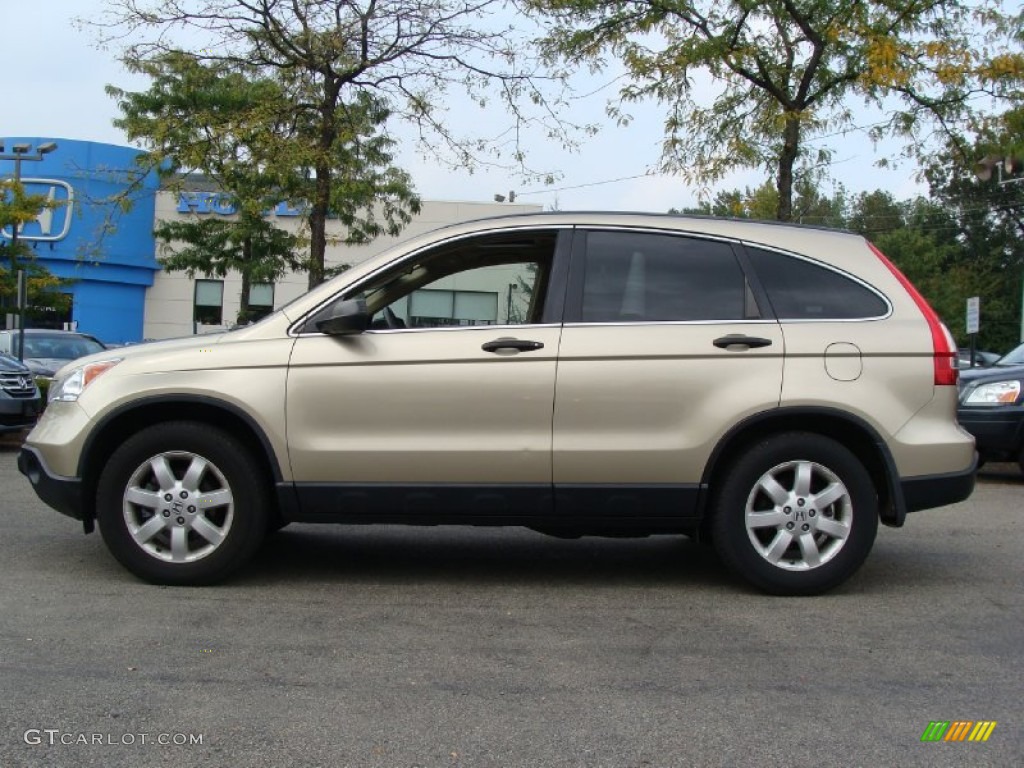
<point>108,252</point>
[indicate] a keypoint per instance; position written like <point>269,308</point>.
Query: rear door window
<point>650,277</point>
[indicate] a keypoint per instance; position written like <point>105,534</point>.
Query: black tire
<point>799,541</point>
<point>200,495</point>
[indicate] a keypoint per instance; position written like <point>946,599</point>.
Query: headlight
<point>68,387</point>
<point>995,393</point>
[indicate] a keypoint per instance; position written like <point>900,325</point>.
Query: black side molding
<point>570,507</point>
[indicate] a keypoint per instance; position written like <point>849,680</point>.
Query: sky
<point>54,88</point>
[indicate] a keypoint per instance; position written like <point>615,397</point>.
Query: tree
<point>784,71</point>
<point>331,57</point>
<point>922,239</point>
<point>238,131</point>
<point>16,209</point>
<point>809,207</point>
<point>250,245</point>
<point>988,221</point>
<point>876,213</point>
<point>749,203</point>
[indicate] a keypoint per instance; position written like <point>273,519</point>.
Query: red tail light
<point>943,346</point>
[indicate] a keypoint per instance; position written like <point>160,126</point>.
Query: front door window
<point>497,280</point>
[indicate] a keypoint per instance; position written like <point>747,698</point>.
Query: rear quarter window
<point>802,290</point>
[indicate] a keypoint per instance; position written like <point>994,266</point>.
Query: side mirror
<point>346,318</point>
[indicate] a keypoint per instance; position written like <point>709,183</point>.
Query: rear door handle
<point>739,340</point>
<point>509,343</point>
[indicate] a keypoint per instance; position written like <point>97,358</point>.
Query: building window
<point>432,308</point>
<point>261,301</point>
<point>57,316</point>
<point>209,302</point>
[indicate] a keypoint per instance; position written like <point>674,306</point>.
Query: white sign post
<point>973,314</point>
<point>973,323</point>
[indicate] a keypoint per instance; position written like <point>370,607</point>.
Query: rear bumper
<point>64,494</point>
<point>930,491</point>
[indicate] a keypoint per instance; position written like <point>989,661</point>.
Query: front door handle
<point>521,345</point>
<point>739,340</point>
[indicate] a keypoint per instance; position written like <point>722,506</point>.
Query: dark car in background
<point>47,351</point>
<point>19,396</point>
<point>992,407</point>
<point>982,359</point>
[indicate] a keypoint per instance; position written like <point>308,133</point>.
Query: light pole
<point>20,153</point>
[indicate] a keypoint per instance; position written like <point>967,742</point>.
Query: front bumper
<point>17,413</point>
<point>64,494</point>
<point>998,430</point>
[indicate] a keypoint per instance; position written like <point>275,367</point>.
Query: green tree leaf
<point>784,72</point>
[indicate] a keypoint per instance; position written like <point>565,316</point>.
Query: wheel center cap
<point>801,514</point>
<point>181,506</point>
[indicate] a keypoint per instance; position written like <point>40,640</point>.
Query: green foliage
<point>17,208</point>
<point>258,140</point>
<point>761,203</point>
<point>938,250</point>
<point>987,222</point>
<point>784,71</point>
<point>216,246</point>
<point>45,295</point>
<point>342,70</point>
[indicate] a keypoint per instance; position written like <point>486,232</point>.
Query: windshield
<point>59,347</point>
<point>1013,357</point>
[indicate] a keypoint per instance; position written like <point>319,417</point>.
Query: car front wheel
<point>182,503</point>
<point>797,514</point>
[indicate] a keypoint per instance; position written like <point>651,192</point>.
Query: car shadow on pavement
<point>460,555</point>
<point>1009,474</point>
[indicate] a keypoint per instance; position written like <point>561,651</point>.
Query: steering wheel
<point>393,320</point>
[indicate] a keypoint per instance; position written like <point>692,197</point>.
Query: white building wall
<point>169,301</point>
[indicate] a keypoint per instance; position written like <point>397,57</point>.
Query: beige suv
<point>777,390</point>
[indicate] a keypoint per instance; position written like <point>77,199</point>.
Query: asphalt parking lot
<point>399,647</point>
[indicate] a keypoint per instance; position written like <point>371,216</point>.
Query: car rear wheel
<point>182,503</point>
<point>796,514</point>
